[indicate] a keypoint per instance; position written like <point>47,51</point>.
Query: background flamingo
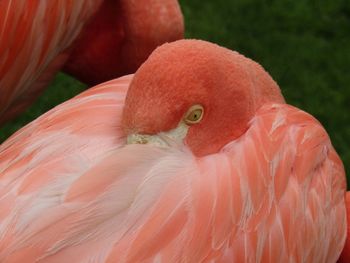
<point>40,37</point>
<point>240,175</point>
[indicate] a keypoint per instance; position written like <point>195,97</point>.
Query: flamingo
<point>93,40</point>
<point>195,158</point>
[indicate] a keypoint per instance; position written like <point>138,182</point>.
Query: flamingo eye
<point>194,114</point>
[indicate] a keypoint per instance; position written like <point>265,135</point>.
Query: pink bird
<point>93,40</point>
<point>195,158</point>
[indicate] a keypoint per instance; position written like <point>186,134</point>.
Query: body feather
<point>92,40</point>
<point>35,37</point>
<point>71,189</point>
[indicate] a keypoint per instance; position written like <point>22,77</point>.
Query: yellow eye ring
<point>194,114</point>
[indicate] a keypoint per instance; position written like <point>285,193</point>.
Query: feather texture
<point>92,40</point>
<point>276,194</point>
<point>35,37</point>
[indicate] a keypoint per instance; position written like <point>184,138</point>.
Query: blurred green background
<point>304,44</point>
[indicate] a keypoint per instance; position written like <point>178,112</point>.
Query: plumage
<point>35,36</point>
<point>345,256</point>
<point>72,189</point>
<point>92,39</point>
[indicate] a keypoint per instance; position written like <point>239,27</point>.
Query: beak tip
<point>136,139</point>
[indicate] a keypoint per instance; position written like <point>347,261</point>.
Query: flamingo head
<point>120,37</point>
<point>197,92</point>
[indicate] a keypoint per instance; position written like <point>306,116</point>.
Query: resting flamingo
<point>195,158</point>
<point>93,40</point>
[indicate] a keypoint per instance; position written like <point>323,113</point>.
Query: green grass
<point>304,44</point>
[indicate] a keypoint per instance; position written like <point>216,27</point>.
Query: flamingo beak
<point>162,139</point>
<point>138,139</point>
